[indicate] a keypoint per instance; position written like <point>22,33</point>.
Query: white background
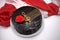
<point>51,31</point>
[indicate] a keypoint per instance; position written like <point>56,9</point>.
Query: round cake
<point>27,20</point>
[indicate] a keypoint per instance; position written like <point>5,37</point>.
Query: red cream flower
<point>19,19</point>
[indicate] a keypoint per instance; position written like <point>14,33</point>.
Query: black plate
<point>30,26</point>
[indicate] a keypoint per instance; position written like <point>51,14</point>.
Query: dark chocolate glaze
<point>23,29</point>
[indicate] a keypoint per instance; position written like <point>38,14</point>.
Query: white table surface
<point>51,31</point>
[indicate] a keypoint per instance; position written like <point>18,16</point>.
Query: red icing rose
<point>19,19</point>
